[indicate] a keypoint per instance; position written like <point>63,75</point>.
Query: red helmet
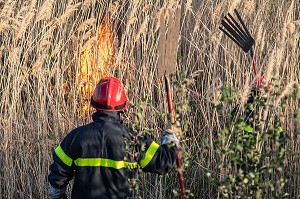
<point>109,95</point>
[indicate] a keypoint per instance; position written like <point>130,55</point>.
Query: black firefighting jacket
<point>100,157</point>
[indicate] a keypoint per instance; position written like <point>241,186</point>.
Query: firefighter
<point>95,154</point>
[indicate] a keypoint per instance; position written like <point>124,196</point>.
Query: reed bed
<point>40,99</point>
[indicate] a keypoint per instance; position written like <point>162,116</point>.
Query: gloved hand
<point>56,193</point>
<point>62,197</point>
<point>169,137</point>
<point>262,83</point>
<point>175,128</point>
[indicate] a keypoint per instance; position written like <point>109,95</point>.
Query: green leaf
<point>139,115</point>
<point>228,90</point>
<point>251,175</point>
<point>248,129</point>
<point>219,107</point>
<point>236,158</point>
<point>245,181</point>
<point>297,115</point>
<point>225,150</point>
<point>224,132</point>
<point>239,147</point>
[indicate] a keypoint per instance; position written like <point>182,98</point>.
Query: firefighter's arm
<point>157,158</point>
<point>62,169</point>
<point>56,193</point>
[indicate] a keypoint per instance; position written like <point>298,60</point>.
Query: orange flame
<point>96,59</point>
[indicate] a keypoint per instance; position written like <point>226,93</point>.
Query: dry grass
<point>40,50</point>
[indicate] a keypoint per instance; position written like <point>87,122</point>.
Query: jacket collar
<point>106,116</point>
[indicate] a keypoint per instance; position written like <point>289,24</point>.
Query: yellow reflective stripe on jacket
<point>63,157</point>
<point>149,154</point>
<point>97,162</point>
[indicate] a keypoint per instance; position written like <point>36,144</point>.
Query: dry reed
<point>40,45</point>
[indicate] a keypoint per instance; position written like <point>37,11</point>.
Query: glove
<point>62,197</point>
<point>175,128</point>
<point>261,83</point>
<point>169,137</point>
<point>56,193</point>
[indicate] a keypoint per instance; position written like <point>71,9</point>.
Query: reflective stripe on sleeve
<point>96,162</point>
<point>149,154</point>
<point>62,156</point>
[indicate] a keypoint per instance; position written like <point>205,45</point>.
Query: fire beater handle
<point>170,102</point>
<point>173,121</point>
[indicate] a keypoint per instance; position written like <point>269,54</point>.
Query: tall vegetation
<point>251,148</point>
<point>41,101</point>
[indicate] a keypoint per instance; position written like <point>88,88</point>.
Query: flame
<point>96,59</point>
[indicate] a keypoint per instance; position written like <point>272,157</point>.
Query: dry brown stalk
<point>44,12</point>
<point>270,65</point>
<point>8,9</point>
<point>14,56</point>
<point>249,7</point>
<point>86,24</point>
<point>143,29</point>
<point>69,10</point>
<point>284,92</point>
<point>217,11</point>
<point>86,4</point>
<point>244,94</point>
<point>25,23</point>
<point>233,5</point>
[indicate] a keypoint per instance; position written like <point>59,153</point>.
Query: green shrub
<point>251,148</point>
